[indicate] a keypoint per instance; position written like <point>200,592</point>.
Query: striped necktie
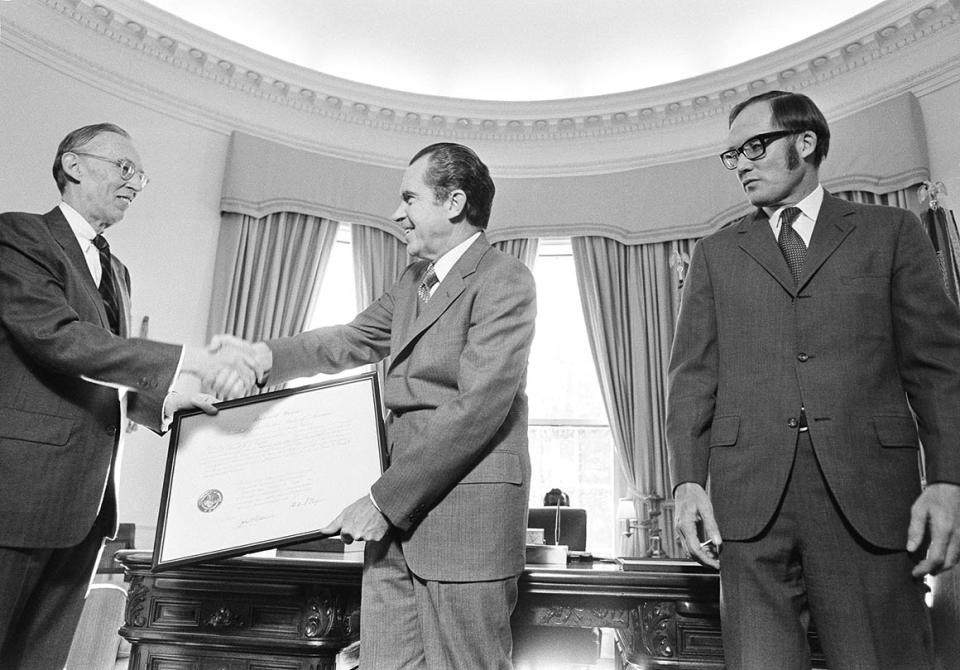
<point>108,287</point>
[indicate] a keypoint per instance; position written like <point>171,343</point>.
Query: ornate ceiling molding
<point>874,39</point>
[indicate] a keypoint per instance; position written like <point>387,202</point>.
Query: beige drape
<point>267,273</point>
<point>630,298</point>
<point>637,204</point>
<point>523,248</point>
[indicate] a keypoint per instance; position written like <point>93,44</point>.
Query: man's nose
<point>399,214</point>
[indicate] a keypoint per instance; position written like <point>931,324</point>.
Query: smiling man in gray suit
<point>445,524</point>
<point>794,379</point>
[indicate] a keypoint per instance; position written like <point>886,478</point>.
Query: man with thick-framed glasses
<point>815,352</point>
<point>70,379</point>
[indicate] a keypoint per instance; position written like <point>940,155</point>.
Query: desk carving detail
<point>326,615</point>
<point>658,628</point>
<point>224,618</point>
<point>136,595</point>
<point>581,617</point>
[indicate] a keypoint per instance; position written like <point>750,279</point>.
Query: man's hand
<point>692,505</point>
<point>176,401</point>
<point>229,367</point>
<point>226,375</point>
<point>935,518</point>
<point>255,354</point>
<point>361,520</point>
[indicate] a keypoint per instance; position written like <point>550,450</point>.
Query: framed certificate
<point>268,470</point>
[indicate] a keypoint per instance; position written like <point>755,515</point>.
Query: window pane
<point>337,301</point>
<point>571,447</point>
<point>562,381</point>
<point>579,461</point>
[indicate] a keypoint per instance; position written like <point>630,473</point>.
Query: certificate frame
<point>243,480</point>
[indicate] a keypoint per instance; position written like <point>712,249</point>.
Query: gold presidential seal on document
<point>210,500</point>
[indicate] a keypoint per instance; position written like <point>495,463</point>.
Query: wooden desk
<point>297,613</point>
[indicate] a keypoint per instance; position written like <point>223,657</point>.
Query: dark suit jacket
<point>58,432</point>
<point>867,337</point>
<point>458,480</point>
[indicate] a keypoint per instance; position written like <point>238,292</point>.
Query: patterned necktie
<point>790,242</point>
<point>108,289</point>
<point>426,284</point>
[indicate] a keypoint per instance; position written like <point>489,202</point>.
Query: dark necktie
<point>426,284</point>
<point>790,242</point>
<point>108,288</point>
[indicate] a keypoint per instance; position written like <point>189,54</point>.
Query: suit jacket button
<point>802,357</point>
<point>792,422</point>
<point>111,430</point>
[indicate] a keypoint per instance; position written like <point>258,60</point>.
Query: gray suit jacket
<point>868,338</point>
<point>458,479</point>
<point>59,433</point>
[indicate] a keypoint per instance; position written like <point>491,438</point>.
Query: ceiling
<point>515,50</point>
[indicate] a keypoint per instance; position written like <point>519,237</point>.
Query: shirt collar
<point>809,206</point>
<point>445,263</point>
<point>83,230</point>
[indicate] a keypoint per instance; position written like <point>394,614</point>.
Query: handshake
<point>229,367</point>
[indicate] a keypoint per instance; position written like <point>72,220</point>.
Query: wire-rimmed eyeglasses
<point>753,149</point>
<point>128,169</point>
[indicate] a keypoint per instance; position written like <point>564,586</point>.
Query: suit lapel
<point>452,286</point>
<point>757,240</point>
<point>835,221</point>
<point>63,234</point>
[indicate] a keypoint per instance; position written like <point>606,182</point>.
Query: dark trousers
<point>809,563</point>
<point>42,593</point>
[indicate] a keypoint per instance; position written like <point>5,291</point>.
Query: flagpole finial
<point>932,191</point>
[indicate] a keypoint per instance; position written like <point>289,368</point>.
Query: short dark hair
<point>793,111</point>
<point>77,139</point>
<point>454,166</point>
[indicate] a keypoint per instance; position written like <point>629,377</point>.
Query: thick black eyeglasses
<point>128,169</point>
<point>753,149</point>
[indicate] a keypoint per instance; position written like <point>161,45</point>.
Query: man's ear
<point>71,166</point>
<point>456,203</point>
<point>808,143</point>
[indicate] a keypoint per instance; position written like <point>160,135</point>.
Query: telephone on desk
<point>562,524</point>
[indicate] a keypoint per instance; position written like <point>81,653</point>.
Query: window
<point>571,446</point>
<point>337,300</point>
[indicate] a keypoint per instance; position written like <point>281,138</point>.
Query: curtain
<point>630,297</point>
<point>378,260</point>
<point>268,273</point>
<point>905,198</point>
<point>523,248</point>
